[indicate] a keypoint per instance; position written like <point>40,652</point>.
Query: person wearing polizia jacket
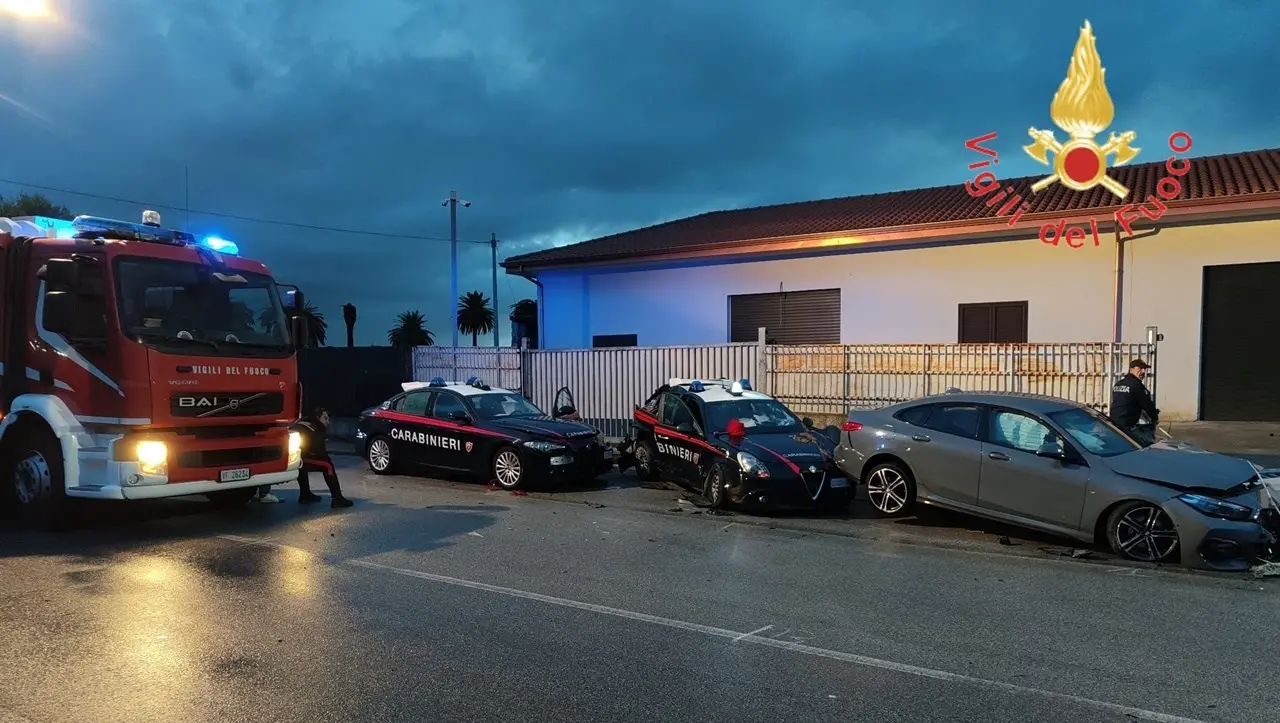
<point>315,458</point>
<point>1130,400</point>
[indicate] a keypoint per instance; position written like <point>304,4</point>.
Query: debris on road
<point>594,505</point>
<point>1266,569</point>
<point>1004,540</point>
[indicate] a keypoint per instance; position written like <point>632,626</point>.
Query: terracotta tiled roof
<point>1229,176</point>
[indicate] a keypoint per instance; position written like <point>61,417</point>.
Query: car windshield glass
<point>175,301</point>
<point>503,404</point>
<point>757,415</point>
<point>1094,432</point>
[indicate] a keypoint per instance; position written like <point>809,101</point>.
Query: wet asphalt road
<point>437,601</point>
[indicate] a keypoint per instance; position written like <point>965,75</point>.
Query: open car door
<point>564,407</point>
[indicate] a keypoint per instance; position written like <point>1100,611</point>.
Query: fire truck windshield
<point>175,304</point>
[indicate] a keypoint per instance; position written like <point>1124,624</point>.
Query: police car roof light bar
<point>735,389</point>
<point>695,386</point>
<point>471,381</point>
<point>437,382</point>
<point>745,384</point>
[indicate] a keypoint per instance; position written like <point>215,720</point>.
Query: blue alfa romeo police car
<point>479,430</point>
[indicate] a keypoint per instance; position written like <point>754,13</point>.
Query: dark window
<point>789,317</point>
<point>1002,322</point>
<point>915,415</point>
<point>674,412</point>
<point>446,406</point>
<point>958,419</point>
<point>414,403</point>
<point>605,341</point>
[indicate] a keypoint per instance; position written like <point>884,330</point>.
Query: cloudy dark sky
<point>561,121</point>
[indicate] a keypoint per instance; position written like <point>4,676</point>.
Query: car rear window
<point>958,419</point>
<point>915,415</point>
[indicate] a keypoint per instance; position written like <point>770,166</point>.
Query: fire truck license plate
<point>234,475</point>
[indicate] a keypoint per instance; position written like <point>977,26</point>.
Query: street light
<point>27,9</point>
<point>452,202</point>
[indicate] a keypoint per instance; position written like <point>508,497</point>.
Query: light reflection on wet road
<point>447,602</point>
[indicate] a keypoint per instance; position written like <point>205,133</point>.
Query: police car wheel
<point>378,454</point>
<point>714,489</point>
<point>508,470</point>
<point>644,455</point>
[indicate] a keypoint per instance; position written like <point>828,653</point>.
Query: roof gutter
<point>1257,205</point>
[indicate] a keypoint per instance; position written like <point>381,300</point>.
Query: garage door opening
<point>1239,343</point>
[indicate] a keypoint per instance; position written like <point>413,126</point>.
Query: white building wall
<point>912,295</point>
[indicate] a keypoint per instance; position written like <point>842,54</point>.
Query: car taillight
<point>851,426</point>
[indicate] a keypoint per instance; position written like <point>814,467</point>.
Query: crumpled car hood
<point>1183,466</point>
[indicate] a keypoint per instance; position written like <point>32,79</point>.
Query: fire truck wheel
<point>36,481</point>
<point>228,499</point>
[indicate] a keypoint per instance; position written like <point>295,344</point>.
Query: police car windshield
<point>503,404</point>
<point>759,416</point>
<point>162,300</point>
<point>1094,432</point>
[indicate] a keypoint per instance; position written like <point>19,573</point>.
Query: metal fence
<point>813,380</point>
<point>497,366</point>
<point>830,380</point>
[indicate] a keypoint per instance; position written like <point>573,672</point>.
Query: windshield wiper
<point>181,340</point>
<point>260,345</point>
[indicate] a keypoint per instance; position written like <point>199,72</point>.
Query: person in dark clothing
<point>315,458</point>
<point>1130,400</point>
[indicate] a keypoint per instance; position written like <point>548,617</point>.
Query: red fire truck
<point>139,362</point>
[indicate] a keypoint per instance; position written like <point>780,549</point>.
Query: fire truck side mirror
<point>300,331</point>
<point>59,312</point>
<point>61,274</point>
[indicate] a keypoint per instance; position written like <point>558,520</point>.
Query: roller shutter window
<point>1001,322</point>
<point>789,317</point>
<point>1238,341</point>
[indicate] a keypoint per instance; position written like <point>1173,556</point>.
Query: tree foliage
<point>524,322</point>
<point>475,315</point>
<point>32,204</point>
<point>410,331</point>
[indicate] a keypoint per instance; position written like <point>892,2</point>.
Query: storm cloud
<point>561,121</point>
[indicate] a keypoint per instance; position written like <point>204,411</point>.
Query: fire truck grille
<point>221,405</point>
<point>227,457</point>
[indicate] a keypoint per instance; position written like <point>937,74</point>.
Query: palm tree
<point>524,322</point>
<point>316,325</point>
<point>475,316</point>
<point>349,317</point>
<point>410,331</point>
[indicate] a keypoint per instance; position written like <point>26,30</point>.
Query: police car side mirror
<point>460,417</point>
<point>808,422</point>
<point>684,428</point>
<point>565,411</point>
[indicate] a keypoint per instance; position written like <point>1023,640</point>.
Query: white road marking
<point>853,658</point>
<point>753,632</point>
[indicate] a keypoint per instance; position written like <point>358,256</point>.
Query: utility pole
<point>186,208</point>
<point>493,248</point>
<point>452,202</point>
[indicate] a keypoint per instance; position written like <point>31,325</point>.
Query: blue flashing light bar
<point>55,227</point>
<point>745,384</point>
<point>437,382</point>
<point>145,232</point>
<point>696,387</point>
<point>221,245</point>
<point>471,381</point>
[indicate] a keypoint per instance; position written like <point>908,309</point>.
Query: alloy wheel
<point>1146,534</point>
<point>887,490</point>
<point>715,486</point>
<point>379,455</point>
<point>506,467</point>
<point>32,478</point>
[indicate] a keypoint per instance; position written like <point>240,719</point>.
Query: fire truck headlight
<point>295,448</point>
<point>152,455</point>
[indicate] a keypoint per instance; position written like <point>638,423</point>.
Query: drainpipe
<point>1117,322</point>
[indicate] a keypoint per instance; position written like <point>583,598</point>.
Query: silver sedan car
<point>1056,466</point>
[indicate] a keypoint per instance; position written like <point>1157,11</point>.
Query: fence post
<point>848,385</point>
<point>526,386</point>
<point>762,363</point>
<point>1012,361</point>
<point>926,385</point>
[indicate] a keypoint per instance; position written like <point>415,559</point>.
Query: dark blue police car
<point>475,429</point>
<point>735,446</point>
